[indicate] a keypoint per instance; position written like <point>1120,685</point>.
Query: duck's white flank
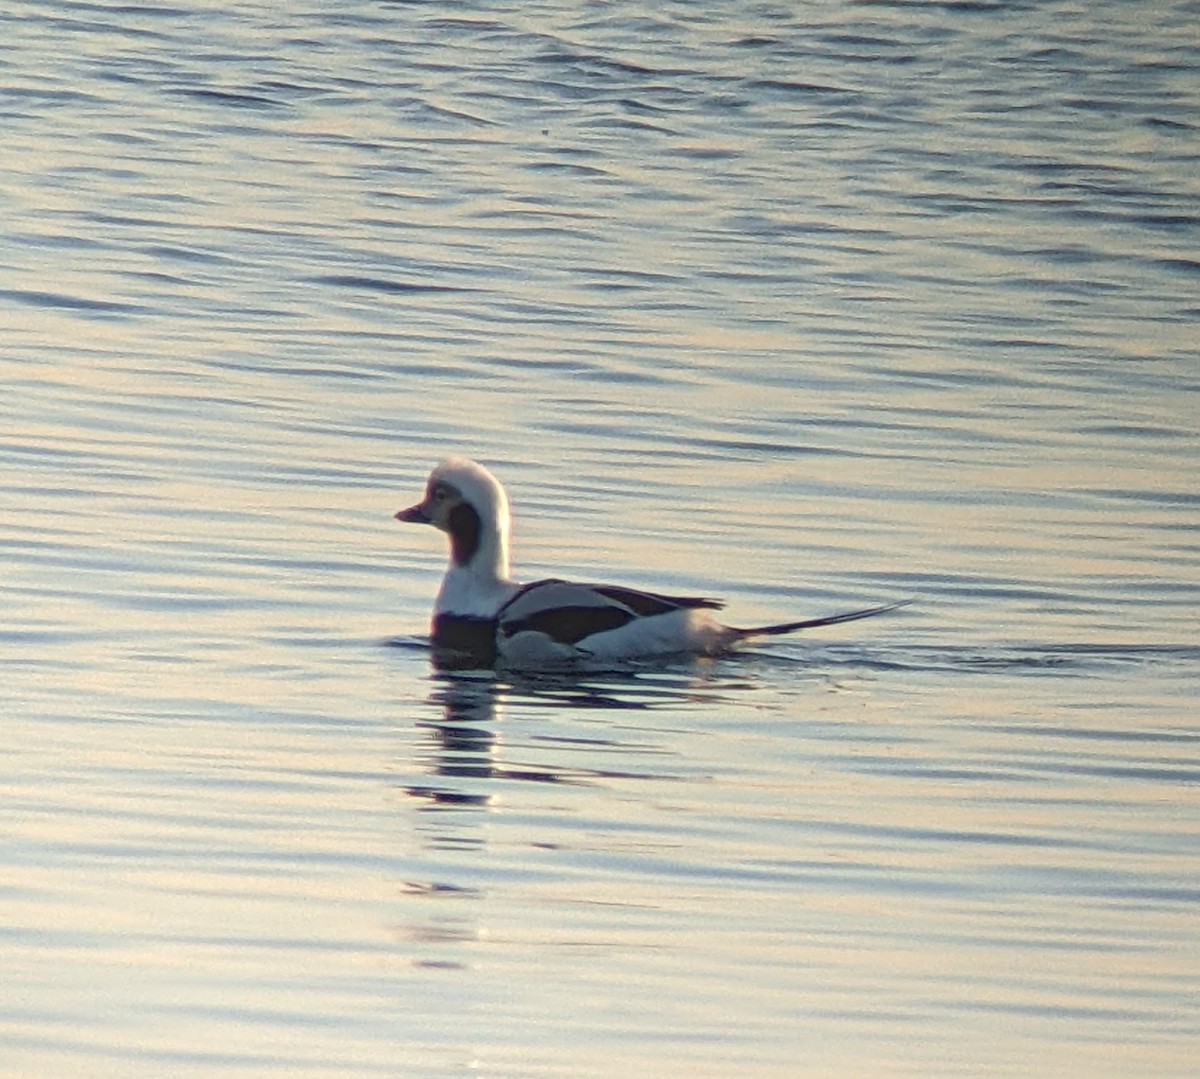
<point>482,618</point>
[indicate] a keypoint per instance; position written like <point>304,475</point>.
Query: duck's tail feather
<point>828,620</point>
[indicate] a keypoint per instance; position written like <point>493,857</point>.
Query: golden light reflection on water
<point>234,808</point>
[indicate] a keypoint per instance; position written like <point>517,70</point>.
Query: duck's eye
<point>439,494</point>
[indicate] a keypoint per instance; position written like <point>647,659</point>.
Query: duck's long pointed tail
<point>828,620</point>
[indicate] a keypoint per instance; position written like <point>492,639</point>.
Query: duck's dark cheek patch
<point>463,526</point>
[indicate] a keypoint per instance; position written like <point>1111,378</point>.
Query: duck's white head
<point>466,501</point>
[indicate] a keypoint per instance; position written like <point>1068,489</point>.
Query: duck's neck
<point>477,583</point>
<point>489,562</point>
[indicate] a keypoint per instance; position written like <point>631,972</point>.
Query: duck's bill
<point>414,515</point>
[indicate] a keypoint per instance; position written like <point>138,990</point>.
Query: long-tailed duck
<point>482,618</point>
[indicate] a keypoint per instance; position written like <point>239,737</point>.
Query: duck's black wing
<point>567,612</point>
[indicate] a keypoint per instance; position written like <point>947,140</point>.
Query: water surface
<point>810,309</point>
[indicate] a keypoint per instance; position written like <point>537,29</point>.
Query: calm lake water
<point>809,306</point>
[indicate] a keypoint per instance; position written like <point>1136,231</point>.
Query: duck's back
<point>561,623</point>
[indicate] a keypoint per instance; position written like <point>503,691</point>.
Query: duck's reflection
<point>466,756</point>
<point>469,759</point>
<point>466,745</point>
<point>463,742</point>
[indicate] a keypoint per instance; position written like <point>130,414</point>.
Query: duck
<point>483,619</point>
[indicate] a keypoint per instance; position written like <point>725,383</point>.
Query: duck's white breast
<point>471,595</point>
